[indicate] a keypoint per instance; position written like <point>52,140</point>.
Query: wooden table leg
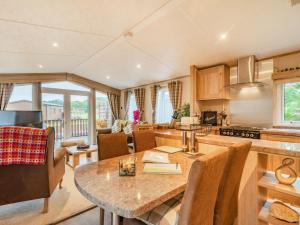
<point>88,154</point>
<point>101,216</point>
<point>115,219</point>
<point>75,160</point>
<point>67,157</point>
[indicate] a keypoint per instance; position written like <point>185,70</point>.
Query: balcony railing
<point>79,127</point>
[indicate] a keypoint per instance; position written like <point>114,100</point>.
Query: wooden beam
<point>92,84</point>
<point>18,78</point>
<point>21,78</point>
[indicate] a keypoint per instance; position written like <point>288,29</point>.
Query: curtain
<point>154,93</point>
<point>175,91</point>
<point>5,93</point>
<point>127,94</point>
<point>140,101</point>
<point>114,103</point>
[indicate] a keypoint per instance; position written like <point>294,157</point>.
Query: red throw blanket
<point>22,145</point>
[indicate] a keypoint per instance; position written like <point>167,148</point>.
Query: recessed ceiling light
<point>55,44</point>
<point>40,66</point>
<point>107,77</point>
<point>139,66</point>
<point>223,36</point>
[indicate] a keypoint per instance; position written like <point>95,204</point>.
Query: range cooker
<point>240,131</point>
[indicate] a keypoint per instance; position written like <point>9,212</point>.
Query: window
<point>164,109</point>
<point>132,107</point>
<point>21,98</point>
<point>65,85</point>
<point>287,104</point>
<point>103,112</point>
<point>291,102</point>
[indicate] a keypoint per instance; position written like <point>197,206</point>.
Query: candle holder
<point>127,167</point>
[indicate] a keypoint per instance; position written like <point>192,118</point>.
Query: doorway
<point>65,107</point>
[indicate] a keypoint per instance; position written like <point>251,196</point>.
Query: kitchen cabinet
<point>212,83</point>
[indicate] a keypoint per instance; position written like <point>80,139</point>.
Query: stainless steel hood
<point>246,73</point>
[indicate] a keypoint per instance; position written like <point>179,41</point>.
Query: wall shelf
<point>269,181</point>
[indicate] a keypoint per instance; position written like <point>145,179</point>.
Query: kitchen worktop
<point>262,146</point>
<point>281,131</point>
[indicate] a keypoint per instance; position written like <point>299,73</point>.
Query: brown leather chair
<point>198,203</point>
<point>226,209</point>
<point>112,145</point>
<point>26,182</point>
<point>143,140</point>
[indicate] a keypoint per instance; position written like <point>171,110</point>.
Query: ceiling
<point>167,36</point>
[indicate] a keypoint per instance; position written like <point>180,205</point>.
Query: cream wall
<point>148,108</point>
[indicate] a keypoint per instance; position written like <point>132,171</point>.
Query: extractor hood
<point>246,73</point>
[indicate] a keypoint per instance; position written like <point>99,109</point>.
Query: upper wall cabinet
<point>212,83</point>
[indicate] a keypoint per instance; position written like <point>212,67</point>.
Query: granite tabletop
<point>130,196</point>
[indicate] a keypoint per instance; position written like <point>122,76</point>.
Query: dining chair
<point>143,140</point>
<point>226,209</point>
<point>112,145</point>
<point>196,206</point>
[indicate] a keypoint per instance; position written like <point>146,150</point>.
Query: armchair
<point>26,182</point>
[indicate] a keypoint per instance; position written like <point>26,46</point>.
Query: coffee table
<point>76,154</point>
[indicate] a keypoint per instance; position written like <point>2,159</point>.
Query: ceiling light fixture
<point>55,44</point>
<point>138,66</point>
<point>107,77</point>
<point>40,66</point>
<point>223,36</point>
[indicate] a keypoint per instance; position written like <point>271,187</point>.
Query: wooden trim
<point>280,55</point>
<point>157,82</point>
<point>92,84</point>
<point>286,75</point>
<point>18,78</point>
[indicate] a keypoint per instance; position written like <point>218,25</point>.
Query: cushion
<point>128,129</point>
<point>117,127</point>
<point>71,142</point>
<point>165,214</point>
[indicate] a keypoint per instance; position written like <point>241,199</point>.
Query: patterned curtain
<point>154,93</point>
<point>140,101</point>
<point>127,94</point>
<point>175,91</point>
<point>5,93</point>
<point>115,105</point>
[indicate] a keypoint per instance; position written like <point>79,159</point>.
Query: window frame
<point>162,89</point>
<point>131,98</point>
<point>32,94</point>
<point>278,103</point>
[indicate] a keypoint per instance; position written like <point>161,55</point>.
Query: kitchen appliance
<point>246,73</point>
<point>240,131</point>
<point>210,118</point>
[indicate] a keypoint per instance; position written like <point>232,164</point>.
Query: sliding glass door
<point>66,108</point>
<point>79,116</point>
<point>53,113</point>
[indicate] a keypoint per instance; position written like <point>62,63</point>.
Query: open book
<point>159,168</point>
<point>168,149</point>
<point>155,157</point>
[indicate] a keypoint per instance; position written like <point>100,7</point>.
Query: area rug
<point>63,203</point>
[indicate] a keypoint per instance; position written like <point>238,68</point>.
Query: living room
<point>101,100</point>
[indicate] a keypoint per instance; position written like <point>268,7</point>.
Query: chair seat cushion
<point>165,214</point>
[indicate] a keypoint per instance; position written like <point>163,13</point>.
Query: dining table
<point>130,196</point>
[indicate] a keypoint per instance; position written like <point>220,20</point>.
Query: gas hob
<point>240,131</point>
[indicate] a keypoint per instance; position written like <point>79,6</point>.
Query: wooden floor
<point>90,217</point>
